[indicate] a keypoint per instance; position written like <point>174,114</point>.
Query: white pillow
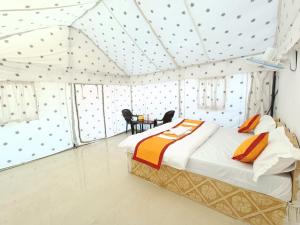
<point>278,157</point>
<point>266,124</point>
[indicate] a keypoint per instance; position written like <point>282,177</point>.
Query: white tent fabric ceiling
<point>143,37</point>
<point>147,56</point>
<point>17,18</point>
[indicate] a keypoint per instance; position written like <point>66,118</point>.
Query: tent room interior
<point>139,112</point>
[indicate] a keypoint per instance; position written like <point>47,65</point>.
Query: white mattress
<point>213,159</point>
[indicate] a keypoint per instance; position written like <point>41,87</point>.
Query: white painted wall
<point>288,98</point>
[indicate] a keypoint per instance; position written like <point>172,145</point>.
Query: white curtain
<point>212,93</point>
<point>259,100</point>
<point>17,102</point>
<point>236,101</point>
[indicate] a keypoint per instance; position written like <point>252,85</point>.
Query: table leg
<point>132,129</point>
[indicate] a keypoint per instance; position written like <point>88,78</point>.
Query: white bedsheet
<point>177,154</point>
<point>213,159</point>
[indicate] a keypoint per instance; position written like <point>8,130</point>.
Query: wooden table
<point>142,123</point>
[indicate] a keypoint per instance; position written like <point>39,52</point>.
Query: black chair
<point>128,116</point>
<point>166,119</point>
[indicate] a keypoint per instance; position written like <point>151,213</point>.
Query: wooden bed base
<point>239,203</point>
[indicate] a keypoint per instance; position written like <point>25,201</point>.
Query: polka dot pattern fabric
<point>116,98</point>
<point>89,109</point>
<point>288,33</point>
<point>235,104</point>
<point>143,55</point>
<point>17,102</point>
<point>19,18</point>
<point>217,69</point>
<point>57,54</point>
<point>53,130</point>
<point>50,134</point>
<point>162,35</point>
<point>143,37</point>
<point>156,99</point>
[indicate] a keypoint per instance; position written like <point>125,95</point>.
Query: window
<point>17,102</point>
<point>212,93</point>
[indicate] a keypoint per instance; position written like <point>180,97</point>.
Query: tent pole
<point>274,93</point>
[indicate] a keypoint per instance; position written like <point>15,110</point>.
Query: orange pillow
<point>250,149</point>
<point>250,124</point>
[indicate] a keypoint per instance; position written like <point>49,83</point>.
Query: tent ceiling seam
<point>47,8</point>
<point>197,31</point>
<point>141,50</point>
<point>203,64</point>
<point>28,31</point>
<point>157,37</point>
<point>69,49</point>
<point>110,59</point>
<point>86,11</point>
<point>42,28</point>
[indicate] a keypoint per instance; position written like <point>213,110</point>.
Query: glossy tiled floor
<point>90,186</point>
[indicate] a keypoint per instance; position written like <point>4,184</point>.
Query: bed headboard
<point>296,172</point>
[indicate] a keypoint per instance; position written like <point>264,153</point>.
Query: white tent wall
<point>156,99</point>
<point>39,56</point>
<point>116,98</point>
<point>56,56</point>
<point>89,112</point>
<point>37,44</point>
<point>182,96</point>
<point>214,69</point>
<point>238,76</point>
<point>236,101</point>
<point>49,134</point>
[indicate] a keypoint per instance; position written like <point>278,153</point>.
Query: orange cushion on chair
<point>250,149</point>
<point>249,124</point>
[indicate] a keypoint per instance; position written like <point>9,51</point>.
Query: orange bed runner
<point>150,150</point>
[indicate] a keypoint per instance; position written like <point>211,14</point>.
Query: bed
<point>213,179</point>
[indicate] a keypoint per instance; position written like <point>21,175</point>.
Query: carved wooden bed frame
<point>239,203</point>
